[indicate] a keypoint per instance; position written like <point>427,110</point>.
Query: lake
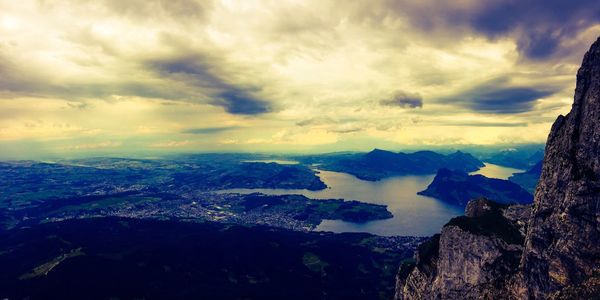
<point>496,171</point>
<point>413,214</point>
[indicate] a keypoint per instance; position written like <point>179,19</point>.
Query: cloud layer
<point>403,99</point>
<point>286,75</point>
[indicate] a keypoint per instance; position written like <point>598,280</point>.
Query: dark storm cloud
<point>403,99</point>
<point>538,26</point>
<point>508,100</point>
<point>209,130</point>
<point>188,78</point>
<point>499,97</point>
<point>544,23</point>
<point>197,73</point>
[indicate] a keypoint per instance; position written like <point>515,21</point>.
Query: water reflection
<point>496,171</point>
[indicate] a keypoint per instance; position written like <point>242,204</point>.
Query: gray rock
<point>563,243</point>
<point>519,214</point>
<point>479,207</point>
<point>475,257</point>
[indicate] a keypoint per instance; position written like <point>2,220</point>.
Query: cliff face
<point>476,256</point>
<point>563,245</point>
<point>549,251</point>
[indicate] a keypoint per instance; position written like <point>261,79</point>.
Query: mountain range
<point>528,179</point>
<point>379,164</point>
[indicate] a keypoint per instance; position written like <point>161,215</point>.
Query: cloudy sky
<point>182,75</point>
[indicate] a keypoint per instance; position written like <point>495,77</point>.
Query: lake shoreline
<point>413,215</point>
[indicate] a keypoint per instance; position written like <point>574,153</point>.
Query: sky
<point>158,76</point>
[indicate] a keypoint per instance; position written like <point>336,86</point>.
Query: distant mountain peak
<point>378,164</point>
<point>457,188</point>
<point>375,150</point>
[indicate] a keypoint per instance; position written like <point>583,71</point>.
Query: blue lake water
<point>496,171</point>
<point>413,214</point>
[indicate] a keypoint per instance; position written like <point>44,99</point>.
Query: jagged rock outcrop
<point>484,255</point>
<point>474,257</point>
<point>563,244</point>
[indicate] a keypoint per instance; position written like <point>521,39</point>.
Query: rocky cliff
<point>509,252</point>
<point>562,247</point>
<point>475,256</point>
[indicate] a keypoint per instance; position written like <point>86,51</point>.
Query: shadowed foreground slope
<point>106,258</point>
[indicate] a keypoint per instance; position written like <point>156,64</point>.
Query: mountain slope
<point>519,158</point>
<point>457,188</point>
<point>528,179</point>
<point>121,258</point>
